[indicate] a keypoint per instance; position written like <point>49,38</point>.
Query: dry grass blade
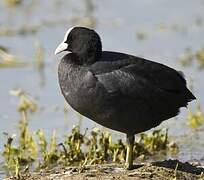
<point>8,60</point>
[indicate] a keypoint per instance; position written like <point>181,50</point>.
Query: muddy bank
<point>160,170</point>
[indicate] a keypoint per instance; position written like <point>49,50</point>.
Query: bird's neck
<point>87,58</point>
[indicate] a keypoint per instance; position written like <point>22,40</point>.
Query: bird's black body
<point>122,92</point>
<point>119,91</point>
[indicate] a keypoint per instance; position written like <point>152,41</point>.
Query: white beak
<point>62,47</point>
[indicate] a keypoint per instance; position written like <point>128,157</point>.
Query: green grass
<point>29,151</point>
<point>196,118</point>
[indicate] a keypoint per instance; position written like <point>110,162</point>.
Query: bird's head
<point>83,42</point>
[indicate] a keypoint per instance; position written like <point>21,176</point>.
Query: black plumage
<point>119,91</point>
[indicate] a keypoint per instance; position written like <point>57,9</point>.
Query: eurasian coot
<point>119,91</point>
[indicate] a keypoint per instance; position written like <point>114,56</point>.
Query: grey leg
<point>129,155</point>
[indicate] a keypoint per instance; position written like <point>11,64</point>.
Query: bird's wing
<point>138,76</point>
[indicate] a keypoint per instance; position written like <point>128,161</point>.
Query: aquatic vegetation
<point>88,20</point>
<point>47,150</point>
<point>13,3</point>
<point>39,61</point>
<point>152,142</point>
<point>25,152</point>
<point>141,35</point>
<point>9,60</point>
<point>200,58</point>
<point>196,119</point>
<point>187,58</point>
<point>26,102</point>
<point>23,30</point>
<point>39,56</point>
<point>3,48</point>
<point>179,28</point>
<point>79,149</point>
<point>28,150</point>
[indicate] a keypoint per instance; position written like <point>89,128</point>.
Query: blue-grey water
<point>169,26</point>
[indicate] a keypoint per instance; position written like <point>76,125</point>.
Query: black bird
<point>119,91</point>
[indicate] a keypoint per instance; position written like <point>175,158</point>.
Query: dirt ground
<point>159,170</point>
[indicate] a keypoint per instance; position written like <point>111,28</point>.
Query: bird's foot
<point>129,166</point>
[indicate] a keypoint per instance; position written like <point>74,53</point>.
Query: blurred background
<point>169,32</point>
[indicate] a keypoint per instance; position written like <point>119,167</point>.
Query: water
<point>117,22</point>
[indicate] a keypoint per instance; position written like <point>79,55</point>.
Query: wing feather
<point>134,78</point>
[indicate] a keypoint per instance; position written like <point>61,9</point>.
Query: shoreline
<point>158,170</point>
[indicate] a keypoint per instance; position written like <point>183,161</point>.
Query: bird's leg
<point>129,155</point>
